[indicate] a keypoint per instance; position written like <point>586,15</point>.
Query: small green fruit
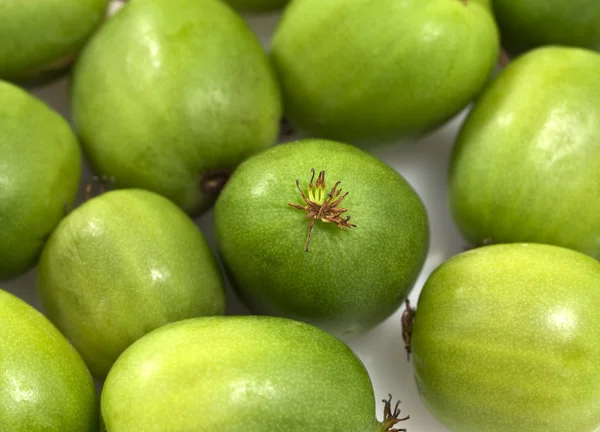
<point>257,5</point>
<point>171,95</point>
<point>40,168</point>
<point>44,384</point>
<point>351,278</point>
<point>527,24</point>
<point>247,373</point>
<point>122,264</point>
<point>40,38</point>
<point>525,167</point>
<point>364,70</point>
<point>507,338</point>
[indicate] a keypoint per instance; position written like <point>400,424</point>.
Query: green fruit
<point>39,38</point>
<point>486,3</point>
<point>40,168</point>
<point>44,384</point>
<point>257,5</point>
<point>170,95</point>
<point>352,278</point>
<point>122,264</point>
<point>247,373</point>
<point>507,338</point>
<point>526,24</point>
<point>525,167</point>
<point>363,70</point>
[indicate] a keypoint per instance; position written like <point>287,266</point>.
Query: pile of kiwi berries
<point>289,148</point>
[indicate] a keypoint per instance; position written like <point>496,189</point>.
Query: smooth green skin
<point>344,78</point>
<point>350,280</point>
<point>527,24</point>
<point>486,3</point>
<point>257,5</point>
<point>507,338</point>
<point>525,166</point>
<point>169,89</point>
<point>238,373</point>
<point>38,35</point>
<point>40,167</point>
<point>44,384</point>
<point>121,265</point>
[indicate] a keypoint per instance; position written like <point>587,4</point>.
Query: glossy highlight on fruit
<point>525,165</point>
<point>527,24</point>
<point>41,38</point>
<point>507,338</point>
<point>44,384</point>
<point>339,247</point>
<point>171,95</point>
<point>40,168</point>
<point>245,373</point>
<point>345,78</point>
<point>121,265</point>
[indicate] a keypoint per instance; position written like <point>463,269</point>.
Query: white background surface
<point>424,164</point>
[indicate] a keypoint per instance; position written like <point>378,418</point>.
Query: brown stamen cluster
<point>391,419</point>
<point>321,205</point>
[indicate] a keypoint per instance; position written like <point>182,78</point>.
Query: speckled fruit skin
<point>169,90</point>
<point>37,37</point>
<point>121,265</point>
<point>245,373</point>
<point>257,5</point>
<point>526,24</point>
<point>350,280</point>
<point>507,338</point>
<point>40,168</point>
<point>44,384</point>
<point>345,78</point>
<point>525,166</point>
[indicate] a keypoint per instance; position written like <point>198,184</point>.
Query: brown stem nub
<point>392,418</point>
<point>213,180</point>
<point>98,186</point>
<point>408,319</point>
<point>503,58</point>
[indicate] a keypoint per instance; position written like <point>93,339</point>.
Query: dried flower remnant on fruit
<point>392,418</point>
<point>408,319</point>
<point>321,205</point>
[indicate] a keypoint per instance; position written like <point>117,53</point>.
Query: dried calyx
<point>392,418</point>
<point>321,205</point>
<point>408,318</point>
